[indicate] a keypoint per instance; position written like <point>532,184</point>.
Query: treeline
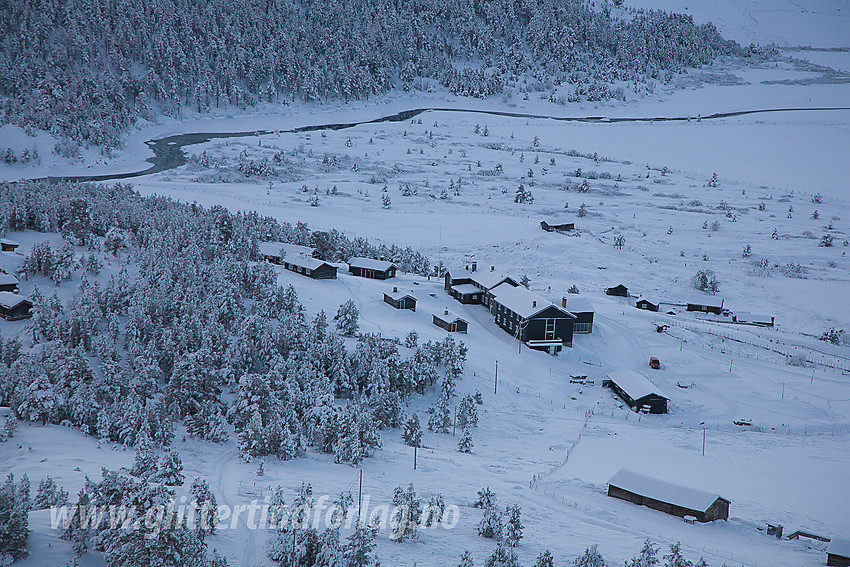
<point>187,316</point>
<point>87,69</point>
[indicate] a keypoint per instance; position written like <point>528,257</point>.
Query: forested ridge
<point>87,69</point>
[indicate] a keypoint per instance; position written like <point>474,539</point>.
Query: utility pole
<point>813,377</point>
<point>360,497</point>
<point>496,379</point>
<point>730,364</point>
<point>703,441</point>
<point>414,457</point>
<point>454,424</point>
<point>783,390</point>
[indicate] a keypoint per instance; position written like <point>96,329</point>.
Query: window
<point>581,327</point>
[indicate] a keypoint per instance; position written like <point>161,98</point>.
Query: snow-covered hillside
<point>759,416</point>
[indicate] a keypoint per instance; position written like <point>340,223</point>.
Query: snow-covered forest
<point>188,315</point>
<point>85,70</point>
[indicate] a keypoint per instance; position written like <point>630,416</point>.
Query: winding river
<point>168,152</point>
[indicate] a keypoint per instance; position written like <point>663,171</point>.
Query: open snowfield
<point>543,443</point>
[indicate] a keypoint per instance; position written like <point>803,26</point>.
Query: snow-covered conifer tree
<point>347,317</point>
<point>412,434</point>
<point>513,526</point>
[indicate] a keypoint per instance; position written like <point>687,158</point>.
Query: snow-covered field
<point>647,182</point>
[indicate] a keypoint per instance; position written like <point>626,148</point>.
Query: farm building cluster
<point>528,316</point>
<point>13,307</point>
<point>697,303</point>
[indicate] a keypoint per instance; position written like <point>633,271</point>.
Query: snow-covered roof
<point>839,546</point>
<point>635,384</point>
<point>649,299</point>
<point>488,279</point>
<point>578,305</point>
<point>448,316</point>
<point>558,222</point>
<point>370,264</point>
<point>307,262</point>
<point>397,294</point>
<point>663,491</point>
<point>8,242</point>
<point>707,300</point>
<point>523,301</point>
<point>466,289</point>
<point>289,250</point>
<point>9,300</point>
<point>6,279</point>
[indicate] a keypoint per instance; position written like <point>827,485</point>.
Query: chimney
<point>534,303</point>
<point>395,290</point>
<point>446,312</point>
<point>563,301</point>
<point>474,266</point>
<point>492,268</point>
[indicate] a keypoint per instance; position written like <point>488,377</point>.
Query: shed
<point>745,318</point>
<point>400,299</point>
<point>648,303</point>
<point>618,290</point>
<point>450,322</point>
<point>276,252</point>
<point>557,225</point>
<point>371,268</point>
<point>14,307</point>
<point>636,390</point>
<point>8,282</point>
<point>582,309</point>
<point>7,245</point>
<point>667,497</point>
<point>705,304</point>
<point>310,267</point>
<point>838,552</point>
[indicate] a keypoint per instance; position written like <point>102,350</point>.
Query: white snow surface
<point>789,467</point>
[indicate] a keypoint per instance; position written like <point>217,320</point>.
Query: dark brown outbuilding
<point>667,497</point>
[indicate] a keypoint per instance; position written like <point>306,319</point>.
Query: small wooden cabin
<point>8,282</point>
<point>450,322</point>
<point>705,304</point>
<point>618,290</point>
<point>557,225</point>
<point>370,268</point>
<point>310,267</point>
<point>473,286</point>
<point>636,390</point>
<point>7,245</point>
<point>400,299</point>
<point>14,307</point>
<point>667,497</point>
<point>648,304</point>
<point>838,552</point>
